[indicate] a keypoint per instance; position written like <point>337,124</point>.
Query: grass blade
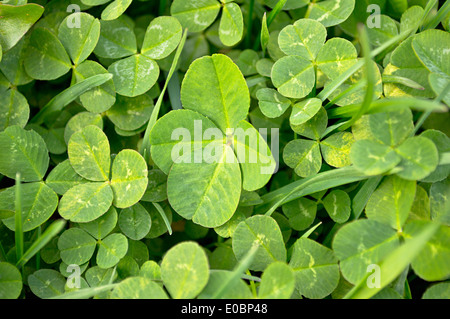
<point>145,148</point>
<point>370,79</point>
<point>174,92</point>
<point>85,293</point>
<point>394,264</point>
<point>248,37</point>
<point>311,230</point>
<point>362,196</point>
<point>387,105</point>
<point>54,107</point>
<point>163,216</point>
<point>18,219</point>
<point>403,81</point>
<point>442,13</point>
<point>307,186</point>
<point>238,271</point>
<point>42,240</point>
<point>270,17</point>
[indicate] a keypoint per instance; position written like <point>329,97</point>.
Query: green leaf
<point>135,222</point>
<point>303,156</point>
<point>16,21</point>
<point>111,250</point>
<point>63,177</point>
<point>338,205</point>
<point>151,270</point>
<point>373,158</point>
<point>130,113</point>
<point>438,291</point>
<point>420,209</point>
<point>336,56</point>
<point>442,143</point>
<point>14,109</point>
<point>102,226</point>
<point>301,213</point>
<point>185,270</point>
<point>138,288</point>
<point>128,178</point>
<point>277,282</point>
<point>46,283</point>
<point>166,145</point>
<point>304,111</point>
<point>253,154</point>
<point>336,149</point>
<point>79,42</point>
<point>27,154</point>
<point>38,204</point>
<point>303,38</point>
<point>391,202</point>
<point>227,230</point>
<point>433,262</point>
<point>315,127</point>
<point>86,202</point>
<point>439,203</point>
<point>223,95</point>
<point>315,267</point>
<point>436,60</point>
<point>293,76</point>
<point>10,281</point>
<point>272,103</point>
<point>231,26</point>
<point>80,121</point>
<point>100,98</point>
<point>76,246</point>
<point>207,182</point>
<point>195,15</point>
<point>389,128</point>
<point>331,12</point>
<point>117,40</point>
<point>134,75</point>
<point>388,29</point>
<point>375,241</point>
<point>46,58</point>
<point>419,158</point>
<point>98,277</point>
<point>157,187</point>
<point>264,67</point>
<point>264,232</point>
<point>115,9</point>
<point>89,156</point>
<point>161,38</point>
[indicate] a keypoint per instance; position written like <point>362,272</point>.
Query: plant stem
<point>18,219</point>
<point>162,7</point>
<point>249,23</point>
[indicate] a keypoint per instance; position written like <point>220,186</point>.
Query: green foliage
<point>270,149</point>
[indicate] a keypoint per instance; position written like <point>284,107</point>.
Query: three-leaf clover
<point>123,183</point>
<point>305,156</point>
